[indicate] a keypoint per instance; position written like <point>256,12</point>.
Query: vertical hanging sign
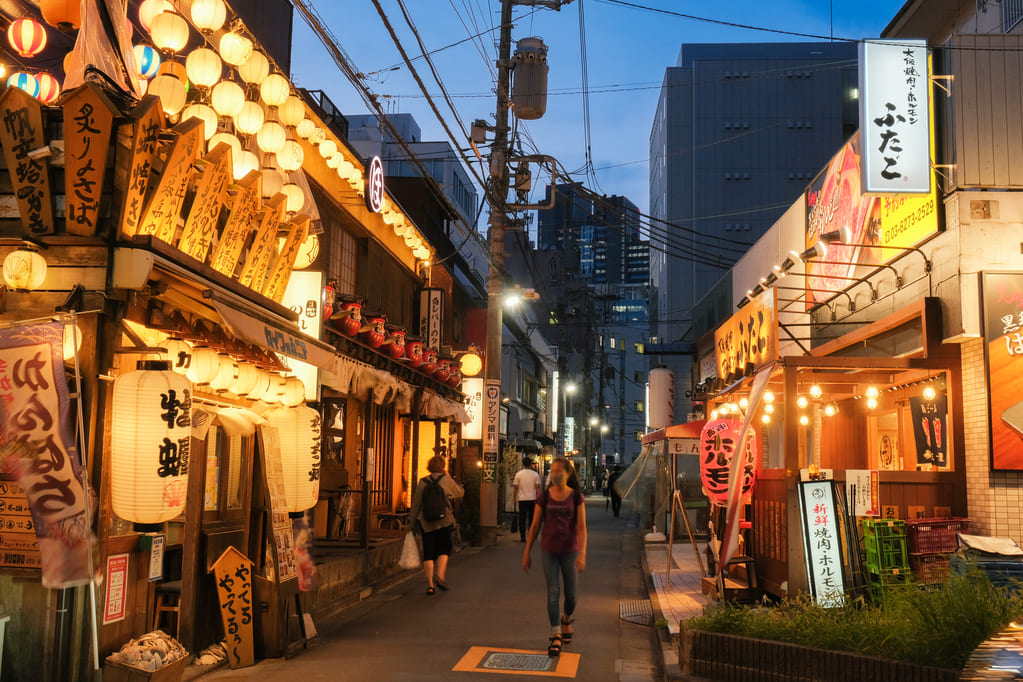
<point>210,195</point>
<point>491,428</point>
<point>822,542</point>
<point>88,122</point>
<point>243,208</point>
<point>149,122</point>
<point>264,245</point>
<point>117,588</point>
<point>472,388</point>
<point>431,310</point>
<point>163,209</point>
<point>21,133</point>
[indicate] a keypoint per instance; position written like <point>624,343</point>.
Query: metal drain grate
<point>523,662</point>
<point>638,611</point>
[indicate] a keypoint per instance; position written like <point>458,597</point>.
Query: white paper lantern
<point>275,390</point>
<point>292,111</point>
<point>203,67</point>
<point>228,139</point>
<point>179,355</point>
<point>169,31</point>
<point>244,163</point>
<point>273,180</point>
<point>255,69</point>
<point>294,392</point>
<point>305,128</point>
<point>271,137</point>
<point>227,375</point>
<point>290,156</point>
<point>209,15</point>
<point>204,114</point>
<point>335,160</point>
<point>235,49</point>
<point>205,365</point>
<point>250,119</point>
<point>149,448</point>
<point>149,9</point>
<point>246,381</point>
<point>72,340</point>
<point>274,90</point>
<point>317,136</point>
<point>227,98</point>
<point>261,386</point>
<point>328,148</point>
<point>298,430</point>
<point>296,197</point>
<point>24,269</point>
<point>170,90</point>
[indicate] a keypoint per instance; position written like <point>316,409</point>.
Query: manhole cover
<point>527,662</point>
<point>636,611</point>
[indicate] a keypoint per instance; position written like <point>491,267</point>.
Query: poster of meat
<point>930,432</point>
<point>38,450</point>
<point>1002,301</point>
<point>865,223</point>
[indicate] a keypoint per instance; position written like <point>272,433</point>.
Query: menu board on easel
<point>19,547</point>
<point>281,536</point>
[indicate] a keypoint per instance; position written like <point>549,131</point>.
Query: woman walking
<point>433,516</point>
<point>561,512</point>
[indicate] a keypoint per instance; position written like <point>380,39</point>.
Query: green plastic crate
<point>886,553</point>
<point>879,583</point>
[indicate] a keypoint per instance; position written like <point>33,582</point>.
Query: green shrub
<point>937,625</point>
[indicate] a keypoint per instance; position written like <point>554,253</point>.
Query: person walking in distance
<point>616,499</point>
<point>433,516</point>
<point>525,490</point>
<point>561,513</point>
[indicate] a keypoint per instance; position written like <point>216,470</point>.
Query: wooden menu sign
<point>145,150</point>
<point>163,208</point>
<point>210,193</point>
<point>21,132</point>
<point>233,573</point>
<point>88,122</point>
<point>264,246</point>
<point>242,212</point>
<point>280,271</point>
<point>19,547</point>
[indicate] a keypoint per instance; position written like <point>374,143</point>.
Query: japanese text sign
<point>718,444</point>
<point>473,390</point>
<point>491,420</point>
<point>39,449</point>
<point>748,336</point>
<point>117,588</point>
<point>822,542</point>
<point>1003,336</point>
<point>88,124</point>
<point>21,132</point>
<point>431,311</point>
<point>895,115</point>
<point>149,122</point>
<point>233,573</point>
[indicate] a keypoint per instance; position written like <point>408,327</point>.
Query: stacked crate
<point>931,541</point>
<point>887,559</point>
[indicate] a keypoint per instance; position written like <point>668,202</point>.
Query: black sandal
<point>554,648</point>
<point>442,585</point>
<point>566,636</point>
<point>430,591</point>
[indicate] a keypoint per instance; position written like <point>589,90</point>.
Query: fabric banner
<point>930,432</point>
<point>39,451</point>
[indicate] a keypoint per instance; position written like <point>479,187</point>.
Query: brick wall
<point>994,499</point>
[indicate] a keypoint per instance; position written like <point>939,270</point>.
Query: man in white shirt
<point>526,490</point>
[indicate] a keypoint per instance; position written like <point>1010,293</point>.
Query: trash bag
<point>410,557</point>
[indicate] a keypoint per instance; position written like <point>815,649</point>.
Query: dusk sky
<point>627,50</point>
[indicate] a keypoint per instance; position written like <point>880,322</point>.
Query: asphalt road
<point>402,634</point>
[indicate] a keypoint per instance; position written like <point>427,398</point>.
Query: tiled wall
<point>995,499</point>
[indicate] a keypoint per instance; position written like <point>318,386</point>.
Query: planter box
<point>713,656</point>
<point>115,671</point>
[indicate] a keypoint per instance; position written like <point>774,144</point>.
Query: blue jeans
<point>564,563</point>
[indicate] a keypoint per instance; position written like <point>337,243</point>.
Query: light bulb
<point>872,392</point>
<point>802,402</point>
<point>930,393</point>
<point>816,392</point>
<point>804,420</point>
<point>765,419</point>
<point>871,403</point>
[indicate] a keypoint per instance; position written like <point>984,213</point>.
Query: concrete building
<point>739,131</point>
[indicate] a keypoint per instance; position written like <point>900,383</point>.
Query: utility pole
<point>495,281</point>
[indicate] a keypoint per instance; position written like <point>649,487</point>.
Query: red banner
<point>39,450</point>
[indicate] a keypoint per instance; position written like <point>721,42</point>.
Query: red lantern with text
<point>328,298</point>
<point>347,317</point>
<point>454,377</point>
<point>443,371</point>
<point>27,37</point>
<point>395,342</point>
<point>414,350</point>
<point>373,330</point>
<point>429,364</point>
<point>718,443</point>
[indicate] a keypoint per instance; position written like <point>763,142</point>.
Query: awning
<point>688,430</point>
<point>273,335</point>
<point>528,445</point>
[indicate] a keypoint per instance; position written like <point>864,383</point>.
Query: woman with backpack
<point>433,516</point>
<point>561,512</point>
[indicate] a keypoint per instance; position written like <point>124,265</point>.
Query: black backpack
<point>435,500</point>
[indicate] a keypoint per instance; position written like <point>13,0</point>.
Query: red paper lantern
<point>455,377</point>
<point>395,342</point>
<point>347,318</point>
<point>49,88</point>
<point>443,371</point>
<point>429,364</point>
<point>27,36</point>
<point>414,350</point>
<point>373,330</point>
<point>718,443</point>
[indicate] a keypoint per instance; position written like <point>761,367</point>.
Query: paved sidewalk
<point>681,598</point>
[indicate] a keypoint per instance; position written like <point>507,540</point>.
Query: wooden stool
<point>168,600</point>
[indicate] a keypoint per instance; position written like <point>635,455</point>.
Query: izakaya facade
<point>877,332</point>
<point>207,350</point>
